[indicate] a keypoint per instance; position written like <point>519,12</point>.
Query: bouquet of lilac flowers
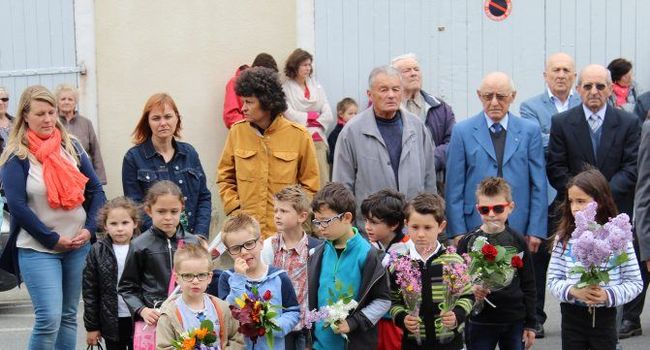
<point>458,282</point>
<point>409,278</point>
<point>598,248</point>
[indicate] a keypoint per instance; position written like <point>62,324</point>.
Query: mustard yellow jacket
<point>255,166</point>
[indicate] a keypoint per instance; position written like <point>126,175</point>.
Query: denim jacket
<point>143,166</point>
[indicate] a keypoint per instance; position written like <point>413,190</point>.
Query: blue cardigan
<point>14,181</point>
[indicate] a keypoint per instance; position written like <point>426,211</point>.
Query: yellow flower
<point>201,333</point>
<point>409,288</point>
<point>188,344</point>
<point>240,302</point>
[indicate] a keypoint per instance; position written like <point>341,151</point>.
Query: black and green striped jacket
<point>433,290</point>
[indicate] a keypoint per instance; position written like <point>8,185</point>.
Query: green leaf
<point>621,259</point>
<point>603,276</point>
<point>501,253</point>
<point>207,324</point>
<point>269,339</point>
<point>577,269</point>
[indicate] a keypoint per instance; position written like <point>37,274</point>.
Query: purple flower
<point>314,316</point>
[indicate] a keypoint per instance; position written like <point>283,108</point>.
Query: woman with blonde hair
<point>53,195</point>
<point>81,127</point>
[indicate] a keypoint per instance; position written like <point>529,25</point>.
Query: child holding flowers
<point>420,272</point>
<point>253,280</point>
<point>508,319</point>
<point>182,318</point>
<point>589,307</point>
<point>345,267</point>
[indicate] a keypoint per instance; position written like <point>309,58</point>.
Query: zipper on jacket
<point>171,264</point>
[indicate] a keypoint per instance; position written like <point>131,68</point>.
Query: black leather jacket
<point>148,267</point>
<point>100,290</point>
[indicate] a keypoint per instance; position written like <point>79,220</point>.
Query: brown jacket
<point>169,326</point>
<point>255,166</point>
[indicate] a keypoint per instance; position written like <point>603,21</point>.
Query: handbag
<point>96,346</point>
<point>144,335</point>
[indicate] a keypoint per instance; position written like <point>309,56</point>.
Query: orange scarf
<point>64,183</point>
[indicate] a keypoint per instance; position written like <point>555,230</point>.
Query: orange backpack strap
<point>222,324</point>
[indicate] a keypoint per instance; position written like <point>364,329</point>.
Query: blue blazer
<point>540,109</point>
<point>471,158</point>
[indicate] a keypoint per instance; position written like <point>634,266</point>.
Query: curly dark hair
<point>263,83</point>
<point>618,68</point>
<point>294,60</point>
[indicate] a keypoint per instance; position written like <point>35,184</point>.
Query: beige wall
<point>186,48</point>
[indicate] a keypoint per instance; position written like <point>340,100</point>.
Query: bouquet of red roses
<point>255,315</point>
<point>492,267</point>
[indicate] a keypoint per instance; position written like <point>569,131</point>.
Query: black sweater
<point>515,302</point>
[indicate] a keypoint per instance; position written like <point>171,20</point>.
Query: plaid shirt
<point>294,261</point>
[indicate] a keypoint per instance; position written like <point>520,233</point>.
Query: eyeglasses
<point>248,245</point>
<point>497,208</point>
<point>489,97</point>
<point>189,277</point>
<point>325,223</point>
<point>4,99</point>
<point>589,86</point>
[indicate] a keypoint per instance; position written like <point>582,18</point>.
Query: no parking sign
<point>497,10</point>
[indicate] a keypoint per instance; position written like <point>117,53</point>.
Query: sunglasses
<point>488,97</point>
<point>589,86</point>
<point>497,208</point>
<point>4,99</point>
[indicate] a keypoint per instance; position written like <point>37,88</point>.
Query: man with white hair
<point>384,146</point>
<point>434,112</point>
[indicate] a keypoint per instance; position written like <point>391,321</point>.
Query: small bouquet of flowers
<point>458,282</point>
<point>255,315</point>
<point>409,279</point>
<point>598,248</point>
<point>339,305</point>
<point>492,267</point>
<point>202,338</point>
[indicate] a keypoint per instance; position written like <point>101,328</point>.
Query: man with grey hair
<point>434,112</point>
<point>595,134</point>
<point>385,146</point>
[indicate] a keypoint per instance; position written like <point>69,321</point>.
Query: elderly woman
<point>266,153</point>
<point>623,88</point>
<point>53,196</point>
<point>158,155</point>
<point>308,106</point>
<point>79,126</point>
<point>6,120</point>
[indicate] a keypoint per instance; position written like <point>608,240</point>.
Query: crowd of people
<point>407,179</point>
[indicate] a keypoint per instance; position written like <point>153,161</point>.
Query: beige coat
<point>169,327</point>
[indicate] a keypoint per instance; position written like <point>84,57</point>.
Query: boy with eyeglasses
<point>509,318</point>
<point>241,236</point>
<point>185,312</point>
<point>345,263</point>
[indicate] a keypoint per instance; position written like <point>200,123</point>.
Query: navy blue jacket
<point>143,166</point>
<point>14,179</point>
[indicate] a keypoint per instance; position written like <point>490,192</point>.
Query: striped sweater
<point>433,290</point>
<point>624,285</point>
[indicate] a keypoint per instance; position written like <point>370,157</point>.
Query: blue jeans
<point>486,337</point>
<point>54,285</point>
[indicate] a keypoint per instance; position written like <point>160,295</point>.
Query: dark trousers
<point>486,337</point>
<point>632,310</point>
<point>125,327</point>
<point>296,340</point>
<point>540,264</point>
<point>578,332</point>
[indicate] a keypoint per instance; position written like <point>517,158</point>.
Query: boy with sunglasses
<point>185,312</point>
<point>241,236</point>
<point>345,263</point>
<point>510,323</point>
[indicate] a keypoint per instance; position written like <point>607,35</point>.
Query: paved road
<point>16,320</point>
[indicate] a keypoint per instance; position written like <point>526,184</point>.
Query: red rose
<point>489,252</point>
<point>267,295</point>
<point>516,262</point>
<point>261,331</point>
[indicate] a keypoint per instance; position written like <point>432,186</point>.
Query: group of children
<point>303,272</point>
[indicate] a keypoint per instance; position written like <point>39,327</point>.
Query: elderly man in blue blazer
<point>496,142</point>
<point>559,75</point>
